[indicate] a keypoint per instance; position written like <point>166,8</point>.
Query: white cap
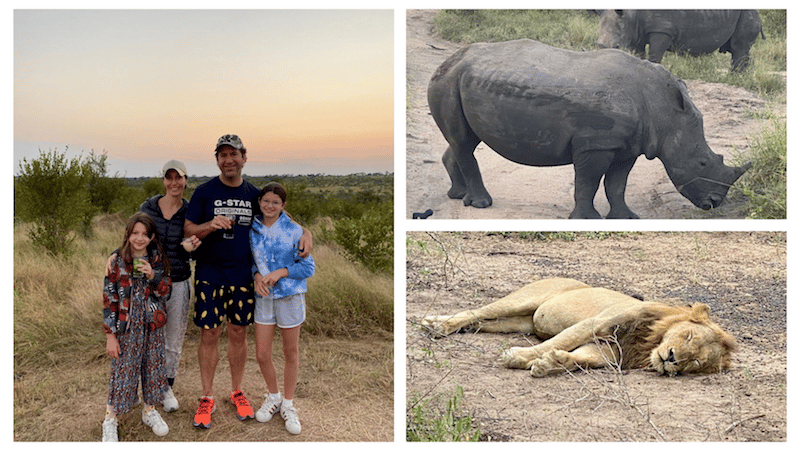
<point>179,167</point>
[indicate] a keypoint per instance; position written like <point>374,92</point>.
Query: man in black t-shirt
<point>220,213</point>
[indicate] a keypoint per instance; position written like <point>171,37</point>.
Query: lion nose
<point>671,357</point>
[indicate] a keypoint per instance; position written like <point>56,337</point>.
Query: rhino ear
<point>678,97</point>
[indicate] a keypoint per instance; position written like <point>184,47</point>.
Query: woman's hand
<point>190,243</point>
<point>110,264</point>
<point>112,346</point>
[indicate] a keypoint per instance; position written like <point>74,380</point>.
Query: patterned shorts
<point>215,304</point>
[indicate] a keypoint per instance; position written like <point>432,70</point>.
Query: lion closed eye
<point>688,347</point>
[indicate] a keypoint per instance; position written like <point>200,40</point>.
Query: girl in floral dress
<point>134,297</point>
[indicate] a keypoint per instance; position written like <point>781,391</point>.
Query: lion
<point>586,327</point>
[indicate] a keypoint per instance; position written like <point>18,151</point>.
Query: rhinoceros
<point>542,106</point>
<point>696,32</point>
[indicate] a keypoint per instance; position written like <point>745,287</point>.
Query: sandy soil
<point>741,276</point>
<point>524,192</point>
<point>339,380</point>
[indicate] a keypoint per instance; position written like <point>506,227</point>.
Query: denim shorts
<point>285,312</point>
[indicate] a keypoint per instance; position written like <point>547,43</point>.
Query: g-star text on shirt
<point>233,203</point>
<point>232,211</point>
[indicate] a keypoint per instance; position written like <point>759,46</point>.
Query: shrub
<point>152,186</point>
<point>51,192</point>
<point>369,238</point>
<point>424,423</point>
<point>764,184</point>
<point>61,196</point>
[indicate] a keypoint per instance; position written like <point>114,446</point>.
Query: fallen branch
<point>737,423</point>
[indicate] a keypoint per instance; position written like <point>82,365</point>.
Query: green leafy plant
<point>425,423</point>
<point>764,184</point>
<point>51,192</point>
<point>368,238</point>
<point>62,195</point>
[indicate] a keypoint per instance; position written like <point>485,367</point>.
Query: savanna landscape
<point>61,368</point>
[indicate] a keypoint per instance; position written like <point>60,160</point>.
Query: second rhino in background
<point>696,32</point>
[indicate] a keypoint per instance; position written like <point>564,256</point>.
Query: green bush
<point>369,238</point>
<point>107,194</point>
<point>61,196</point>
<point>51,192</point>
<point>764,184</point>
<point>302,205</point>
<point>152,187</point>
<point>424,423</point>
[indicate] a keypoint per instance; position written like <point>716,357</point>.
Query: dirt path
<point>524,192</point>
<point>741,276</point>
<point>340,379</point>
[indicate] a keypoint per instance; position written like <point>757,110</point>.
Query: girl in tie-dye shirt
<point>280,284</point>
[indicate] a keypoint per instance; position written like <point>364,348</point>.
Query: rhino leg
<point>458,187</point>
<point>589,169</point>
<point>459,158</point>
<point>465,177</point>
<point>659,44</point>
<point>747,30</point>
<point>741,63</point>
<point>616,180</point>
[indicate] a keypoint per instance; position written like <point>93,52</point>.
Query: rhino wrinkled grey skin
<point>541,106</point>
<point>696,32</point>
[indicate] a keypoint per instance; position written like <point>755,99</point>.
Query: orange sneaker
<point>202,419</point>
<point>243,408</point>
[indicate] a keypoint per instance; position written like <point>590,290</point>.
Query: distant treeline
<point>61,197</point>
<point>309,179</point>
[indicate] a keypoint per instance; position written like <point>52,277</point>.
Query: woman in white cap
<point>168,211</point>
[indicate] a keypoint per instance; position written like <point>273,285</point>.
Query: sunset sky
<point>308,91</point>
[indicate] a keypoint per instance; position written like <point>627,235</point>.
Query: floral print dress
<point>141,342</point>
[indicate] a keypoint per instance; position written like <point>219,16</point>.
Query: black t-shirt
<point>224,257</point>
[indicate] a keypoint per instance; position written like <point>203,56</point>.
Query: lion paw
<point>441,325</point>
<point>551,362</point>
<point>519,357</point>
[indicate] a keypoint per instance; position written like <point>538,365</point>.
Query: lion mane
<point>585,327</point>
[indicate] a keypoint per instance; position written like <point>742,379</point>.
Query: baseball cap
<point>229,140</point>
<point>179,167</point>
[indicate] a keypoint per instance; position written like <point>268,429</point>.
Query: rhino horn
<point>740,170</point>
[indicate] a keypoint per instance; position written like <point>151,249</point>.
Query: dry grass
<point>61,370</point>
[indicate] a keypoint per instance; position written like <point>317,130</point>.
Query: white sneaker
<point>289,415</point>
<point>151,418</point>
<point>170,402</point>
<point>269,408</point>
<point>110,430</point>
